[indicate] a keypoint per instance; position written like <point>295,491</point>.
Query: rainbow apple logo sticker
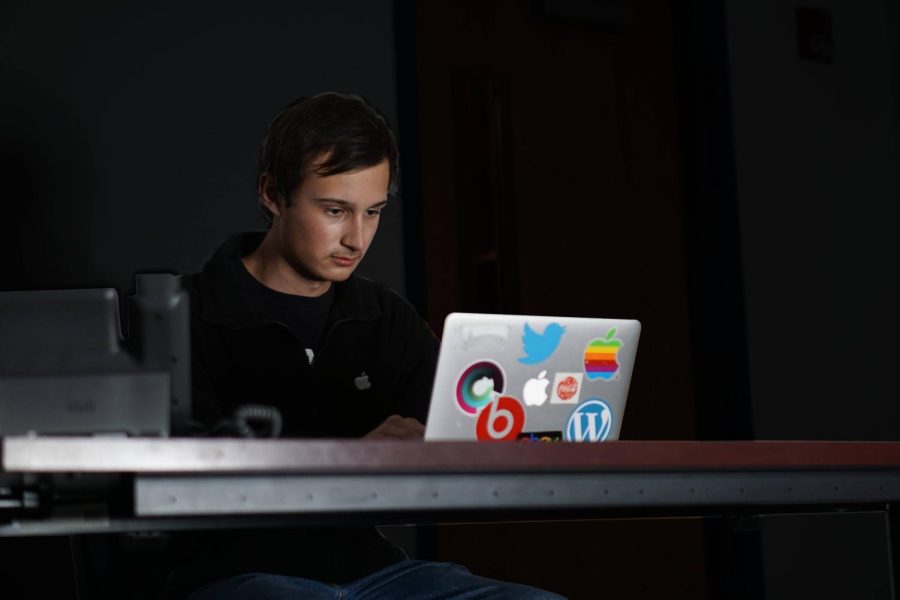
<point>601,357</point>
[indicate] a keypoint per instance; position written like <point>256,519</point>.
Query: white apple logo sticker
<point>535,390</point>
<point>362,382</point>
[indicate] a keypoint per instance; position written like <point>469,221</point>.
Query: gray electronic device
<point>65,367</point>
<point>515,377</point>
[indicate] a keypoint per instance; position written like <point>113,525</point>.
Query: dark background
<point>724,171</point>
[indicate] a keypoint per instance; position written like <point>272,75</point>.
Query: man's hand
<point>396,427</point>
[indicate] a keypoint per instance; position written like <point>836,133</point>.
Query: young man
<point>279,319</point>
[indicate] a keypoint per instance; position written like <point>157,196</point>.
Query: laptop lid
<point>513,377</point>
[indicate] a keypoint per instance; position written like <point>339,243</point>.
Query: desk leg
<point>77,550</point>
<point>734,567</point>
<point>892,520</point>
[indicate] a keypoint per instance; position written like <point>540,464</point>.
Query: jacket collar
<point>225,301</point>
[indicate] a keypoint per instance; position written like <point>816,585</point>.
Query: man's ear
<point>268,194</point>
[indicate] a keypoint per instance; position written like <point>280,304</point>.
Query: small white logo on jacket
<point>362,382</point>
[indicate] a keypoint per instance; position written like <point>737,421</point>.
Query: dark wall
<point>816,165</point>
<point>129,133</point>
<point>816,157</point>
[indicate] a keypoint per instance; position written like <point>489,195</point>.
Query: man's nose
<point>354,234</point>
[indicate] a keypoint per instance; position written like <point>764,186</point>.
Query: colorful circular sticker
<point>567,388</point>
<point>478,384</point>
<point>501,420</point>
<point>591,421</point>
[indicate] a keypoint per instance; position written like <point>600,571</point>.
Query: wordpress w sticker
<point>591,421</point>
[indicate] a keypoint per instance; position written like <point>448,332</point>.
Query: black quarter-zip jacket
<point>376,358</point>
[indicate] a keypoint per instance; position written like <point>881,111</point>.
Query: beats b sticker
<point>501,420</point>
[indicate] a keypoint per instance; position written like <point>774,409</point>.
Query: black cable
<point>258,420</point>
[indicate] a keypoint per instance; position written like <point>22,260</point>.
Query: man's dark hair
<point>345,130</point>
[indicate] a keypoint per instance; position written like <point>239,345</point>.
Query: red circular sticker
<point>501,420</point>
<point>567,388</point>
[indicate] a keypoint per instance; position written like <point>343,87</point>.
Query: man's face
<point>330,221</point>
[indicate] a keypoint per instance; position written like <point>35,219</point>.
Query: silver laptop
<point>512,377</point>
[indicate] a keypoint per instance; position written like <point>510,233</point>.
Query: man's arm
<point>413,382</point>
<point>417,372</point>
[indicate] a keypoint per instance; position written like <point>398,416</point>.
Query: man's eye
<point>334,212</point>
<point>374,212</point>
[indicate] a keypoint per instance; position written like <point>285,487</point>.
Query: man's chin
<point>329,273</point>
<point>337,275</point>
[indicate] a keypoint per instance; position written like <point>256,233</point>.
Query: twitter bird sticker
<point>539,346</point>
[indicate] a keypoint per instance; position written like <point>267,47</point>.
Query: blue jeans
<point>407,579</point>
